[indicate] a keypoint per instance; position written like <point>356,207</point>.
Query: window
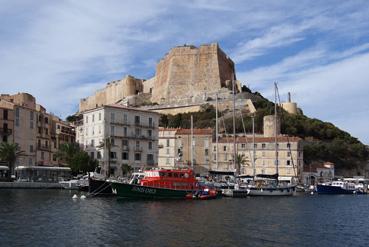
<point>92,155</point>
<point>42,155</point>
<point>167,142</point>
<point>31,124</point>
<point>263,145</point>
<point>150,145</point>
<point>93,130</point>
<point>255,145</point>
<point>150,122</point>
<point>30,161</point>
<point>125,143</point>
<point>288,154</point>
<point>46,120</point>
<point>54,144</point>
<point>125,131</point>
<point>137,132</point>
<point>243,145</point>
<point>125,156</point>
<point>112,130</point>
<point>137,144</point>
<point>125,119</point>
<point>46,131</point>
<point>46,143</point>
<point>5,114</point>
<point>149,133</point>
<point>39,143</point>
<point>54,157</point>
<point>288,145</point>
<point>214,157</point>
<point>112,117</point>
<point>98,154</point>
<point>92,143</point>
<point>99,115</point>
<point>224,148</point>
<point>40,130</point>
<point>288,162</point>
<point>93,117</point>
<point>263,154</point>
<point>137,156</point>
<point>31,148</point>
<point>17,112</point>
<point>113,155</point>
<point>31,115</point>
<point>137,119</point>
<point>215,148</point>
<point>112,141</point>
<point>206,152</point>
<point>167,150</point>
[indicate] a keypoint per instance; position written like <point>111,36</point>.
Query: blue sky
<point>61,51</point>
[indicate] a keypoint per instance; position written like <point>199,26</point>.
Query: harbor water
<point>53,218</point>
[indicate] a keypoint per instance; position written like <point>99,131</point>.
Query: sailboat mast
<point>191,141</point>
<point>275,129</point>
<point>234,126</point>
<point>216,130</point>
<point>253,145</point>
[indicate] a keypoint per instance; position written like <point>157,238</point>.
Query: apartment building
<point>175,148</point>
<point>133,134</point>
<point>289,151</point>
<point>33,129</point>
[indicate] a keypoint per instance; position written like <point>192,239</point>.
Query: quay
<point>29,185</point>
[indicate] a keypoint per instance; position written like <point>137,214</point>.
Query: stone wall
<point>187,71</point>
<point>112,93</point>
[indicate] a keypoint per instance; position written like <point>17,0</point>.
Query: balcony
<point>5,132</point>
<point>125,148</point>
<point>148,126</point>
<point>123,123</point>
<point>138,149</point>
<point>44,148</point>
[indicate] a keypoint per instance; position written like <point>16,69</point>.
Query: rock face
<point>188,71</point>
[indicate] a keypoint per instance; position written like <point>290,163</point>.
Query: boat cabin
<point>181,179</point>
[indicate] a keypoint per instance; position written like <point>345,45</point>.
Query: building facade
<point>33,129</point>
<point>132,134</point>
<point>175,148</point>
<point>289,151</point>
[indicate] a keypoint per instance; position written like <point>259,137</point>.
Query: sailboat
<point>266,185</point>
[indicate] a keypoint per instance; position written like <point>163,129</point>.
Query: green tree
<point>240,161</point>
<point>9,152</point>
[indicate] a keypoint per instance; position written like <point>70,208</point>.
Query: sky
<point>62,51</point>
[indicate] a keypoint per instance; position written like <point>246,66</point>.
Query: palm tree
<point>67,151</point>
<point>9,153</point>
<point>240,161</point>
<point>107,144</point>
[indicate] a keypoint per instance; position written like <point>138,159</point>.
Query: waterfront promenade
<point>53,218</point>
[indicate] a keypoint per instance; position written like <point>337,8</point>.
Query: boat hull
<point>145,192</point>
<point>332,190</point>
<point>98,187</point>
<point>254,191</point>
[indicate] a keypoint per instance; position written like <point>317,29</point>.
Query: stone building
<point>175,148</point>
<point>187,70</point>
<point>133,135</point>
<point>32,128</point>
<point>290,155</point>
<point>186,78</point>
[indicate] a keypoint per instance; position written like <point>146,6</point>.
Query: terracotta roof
<point>259,139</point>
<point>207,131</point>
<point>318,165</point>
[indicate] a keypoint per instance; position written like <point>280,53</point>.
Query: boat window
<point>175,175</point>
<point>161,174</point>
<point>169,174</point>
<point>181,175</point>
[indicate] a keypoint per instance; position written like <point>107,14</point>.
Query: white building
<point>133,134</point>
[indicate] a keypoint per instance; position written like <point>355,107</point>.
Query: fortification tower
<point>187,71</point>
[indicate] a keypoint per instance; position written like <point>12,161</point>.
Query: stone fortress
<point>186,78</point>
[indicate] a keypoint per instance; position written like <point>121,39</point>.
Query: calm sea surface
<point>53,218</point>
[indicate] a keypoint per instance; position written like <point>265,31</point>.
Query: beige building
<point>133,134</point>
<point>290,155</point>
<point>32,128</point>
<point>175,148</point>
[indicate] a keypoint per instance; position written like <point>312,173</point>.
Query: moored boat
<point>337,187</point>
<point>159,184</point>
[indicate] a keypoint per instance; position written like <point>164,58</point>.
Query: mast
<point>275,129</point>
<point>234,126</point>
<point>191,141</point>
<point>216,131</point>
<point>253,145</point>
